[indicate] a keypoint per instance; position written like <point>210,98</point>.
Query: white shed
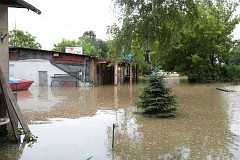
<point>38,70</point>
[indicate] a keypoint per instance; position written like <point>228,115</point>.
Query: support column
<point>130,73</point>
<point>95,72</point>
<point>4,51</point>
<point>3,113</point>
<point>116,73</point>
<point>137,73</point>
<point>130,80</point>
<point>4,57</point>
<point>85,70</point>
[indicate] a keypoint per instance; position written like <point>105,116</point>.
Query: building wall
<point>29,69</point>
<point>4,54</point>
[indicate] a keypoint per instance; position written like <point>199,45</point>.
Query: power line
<point>69,24</point>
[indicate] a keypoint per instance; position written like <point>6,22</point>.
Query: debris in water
<point>225,90</point>
<point>89,158</point>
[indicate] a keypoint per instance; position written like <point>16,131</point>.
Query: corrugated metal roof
<point>19,4</point>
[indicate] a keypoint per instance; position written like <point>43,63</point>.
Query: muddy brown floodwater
<point>76,124</point>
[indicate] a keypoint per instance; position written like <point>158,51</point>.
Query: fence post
<point>113,136</point>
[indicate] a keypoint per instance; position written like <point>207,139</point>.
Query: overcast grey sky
<point>63,19</point>
<point>67,19</point>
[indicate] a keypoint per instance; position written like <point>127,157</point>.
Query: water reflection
<point>37,99</point>
<point>24,95</point>
<point>234,110</point>
<point>76,123</point>
<point>78,102</point>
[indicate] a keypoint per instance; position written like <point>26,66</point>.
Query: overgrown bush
<point>233,72</point>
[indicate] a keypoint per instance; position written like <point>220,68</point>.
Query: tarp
<point>16,81</point>
<point>128,57</point>
<point>13,80</point>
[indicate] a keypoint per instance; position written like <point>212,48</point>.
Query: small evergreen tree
<point>156,99</point>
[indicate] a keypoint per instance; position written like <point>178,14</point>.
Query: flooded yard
<point>76,124</point>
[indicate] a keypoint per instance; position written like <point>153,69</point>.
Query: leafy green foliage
<point>94,46</point>
<point>88,48</point>
<point>29,138</point>
<point>150,21</point>
<point>232,72</point>
<point>120,46</point>
<point>19,38</point>
<point>60,47</point>
<point>204,47</point>
<point>187,36</point>
<point>156,99</point>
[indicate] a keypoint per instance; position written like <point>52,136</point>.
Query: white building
<point>49,68</point>
<point>38,70</point>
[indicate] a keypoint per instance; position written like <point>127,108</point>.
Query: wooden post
<point>14,123</point>
<point>3,113</point>
<point>11,102</point>
<point>113,136</point>
<point>15,120</point>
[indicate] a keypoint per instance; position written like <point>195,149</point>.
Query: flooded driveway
<point>76,123</point>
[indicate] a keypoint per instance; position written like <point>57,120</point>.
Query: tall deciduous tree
<point>148,21</point>
<point>100,46</point>
<point>19,38</point>
<point>150,27</point>
<point>192,37</point>
<point>204,48</point>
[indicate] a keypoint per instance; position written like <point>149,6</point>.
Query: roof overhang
<point>20,4</point>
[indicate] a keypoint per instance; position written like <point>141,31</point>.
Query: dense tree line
<point>91,45</point>
<point>191,37</point>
